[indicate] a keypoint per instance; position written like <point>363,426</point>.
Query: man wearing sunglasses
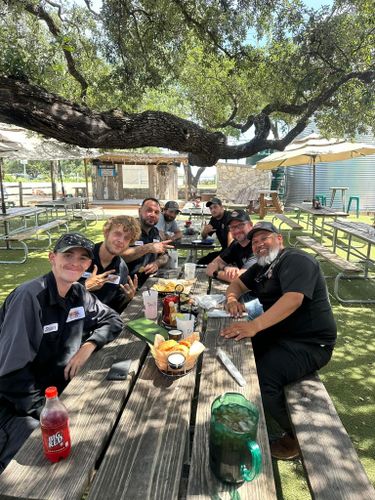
<point>295,335</point>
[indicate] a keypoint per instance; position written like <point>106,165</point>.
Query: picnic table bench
<point>332,467</point>
<point>30,233</point>
<point>348,270</point>
<point>89,214</point>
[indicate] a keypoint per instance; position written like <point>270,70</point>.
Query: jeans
<point>253,308</point>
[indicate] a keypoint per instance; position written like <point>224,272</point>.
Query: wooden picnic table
<point>317,214</point>
<point>66,204</point>
<point>136,434</point>
<point>355,230</point>
<point>192,244</point>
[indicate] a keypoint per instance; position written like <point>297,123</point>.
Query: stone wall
<point>240,183</point>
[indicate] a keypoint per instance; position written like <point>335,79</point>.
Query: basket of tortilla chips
<point>164,286</point>
<point>186,350</point>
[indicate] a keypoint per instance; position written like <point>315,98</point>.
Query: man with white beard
<point>296,333</point>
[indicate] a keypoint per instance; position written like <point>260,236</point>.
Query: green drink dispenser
<point>235,455</point>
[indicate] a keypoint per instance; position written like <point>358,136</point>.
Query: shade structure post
<point>3,207</point>
<point>314,178</point>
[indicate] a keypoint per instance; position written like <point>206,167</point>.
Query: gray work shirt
<point>40,332</point>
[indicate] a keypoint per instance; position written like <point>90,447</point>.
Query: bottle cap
<point>51,392</point>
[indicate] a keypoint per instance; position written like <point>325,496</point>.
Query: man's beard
<point>168,218</point>
<point>145,223</point>
<point>266,260</point>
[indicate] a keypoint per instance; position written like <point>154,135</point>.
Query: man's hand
<point>230,273</point>
<point>211,268</point>
<point>151,268</point>
<point>96,281</point>
<point>239,330</point>
<point>207,229</point>
<point>235,308</point>
<point>130,289</point>
<point>78,360</point>
<point>160,246</point>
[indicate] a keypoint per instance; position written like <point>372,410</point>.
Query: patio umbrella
<point>314,149</point>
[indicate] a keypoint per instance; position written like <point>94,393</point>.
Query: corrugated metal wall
<point>357,174</point>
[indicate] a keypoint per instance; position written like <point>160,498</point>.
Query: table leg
<point>332,197</point>
<point>262,206</point>
<point>276,202</point>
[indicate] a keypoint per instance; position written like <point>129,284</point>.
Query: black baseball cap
<point>262,226</point>
<point>172,205</point>
<point>214,201</point>
<point>74,240</point>
<point>238,215</point>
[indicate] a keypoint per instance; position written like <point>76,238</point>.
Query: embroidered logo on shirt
<point>75,313</point>
<point>138,243</point>
<point>86,274</point>
<point>155,241</point>
<point>53,327</point>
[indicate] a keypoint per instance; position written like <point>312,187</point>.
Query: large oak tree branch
<point>36,109</point>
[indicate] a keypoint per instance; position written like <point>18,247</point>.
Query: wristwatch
<point>215,273</point>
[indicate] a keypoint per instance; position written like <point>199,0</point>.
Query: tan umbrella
<point>314,149</point>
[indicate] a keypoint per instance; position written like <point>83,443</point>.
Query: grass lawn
<point>349,377</point>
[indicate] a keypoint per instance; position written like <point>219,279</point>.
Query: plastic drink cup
<point>189,270</point>
<point>185,323</point>
<point>150,301</point>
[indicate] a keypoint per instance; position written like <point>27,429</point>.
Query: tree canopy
<point>187,74</point>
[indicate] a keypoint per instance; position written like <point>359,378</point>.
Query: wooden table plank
<point>146,453</point>
<point>215,380</point>
<point>93,404</point>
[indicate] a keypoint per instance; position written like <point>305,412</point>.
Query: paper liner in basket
<point>161,356</point>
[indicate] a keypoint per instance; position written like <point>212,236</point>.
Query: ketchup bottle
<point>54,421</point>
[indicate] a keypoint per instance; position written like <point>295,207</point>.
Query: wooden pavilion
<point>120,176</point>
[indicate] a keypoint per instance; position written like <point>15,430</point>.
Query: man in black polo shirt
<point>49,327</point>
<point>217,224</point>
<point>108,276</point>
<point>148,253</point>
<point>297,332</point>
<point>237,258</point>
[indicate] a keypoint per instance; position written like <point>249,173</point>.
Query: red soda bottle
<point>54,421</point>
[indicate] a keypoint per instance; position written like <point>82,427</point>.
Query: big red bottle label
<point>56,441</point>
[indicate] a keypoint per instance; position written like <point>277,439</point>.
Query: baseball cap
<point>74,240</point>
<point>238,215</point>
<point>214,201</point>
<point>172,205</point>
<point>262,226</point>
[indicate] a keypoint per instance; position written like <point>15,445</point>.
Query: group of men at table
<point>50,326</point>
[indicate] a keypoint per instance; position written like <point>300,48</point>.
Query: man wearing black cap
<point>297,332</point>
<point>49,327</point>
<point>219,224</point>
<point>238,257</point>
<point>167,224</point>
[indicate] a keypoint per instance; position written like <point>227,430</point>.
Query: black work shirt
<point>295,271</point>
<point>221,228</point>
<point>110,293</point>
<point>40,332</point>
<point>239,256</point>
<point>151,237</point>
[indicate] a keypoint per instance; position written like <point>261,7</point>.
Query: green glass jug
<point>234,454</point>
